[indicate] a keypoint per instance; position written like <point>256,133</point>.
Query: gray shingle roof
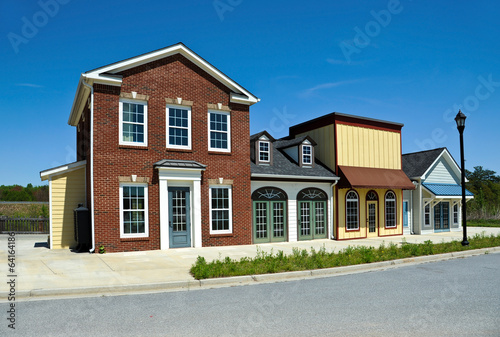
<point>415,164</point>
<point>285,143</point>
<point>283,165</point>
<point>189,164</point>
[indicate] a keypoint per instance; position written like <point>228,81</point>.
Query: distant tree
<point>485,184</point>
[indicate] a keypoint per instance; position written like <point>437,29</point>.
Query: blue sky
<point>413,62</point>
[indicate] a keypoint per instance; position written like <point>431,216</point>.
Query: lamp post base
<point>465,243</point>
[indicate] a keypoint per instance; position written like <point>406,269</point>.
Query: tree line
<point>20,193</point>
<point>485,184</point>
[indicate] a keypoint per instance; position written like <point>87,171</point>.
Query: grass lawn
<point>484,223</point>
<point>267,263</point>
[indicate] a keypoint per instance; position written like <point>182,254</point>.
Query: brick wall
<point>170,77</point>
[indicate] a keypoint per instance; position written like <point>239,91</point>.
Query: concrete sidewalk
<point>42,272</point>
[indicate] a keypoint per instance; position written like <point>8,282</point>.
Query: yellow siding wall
<point>364,147</point>
<point>325,150</point>
<point>67,191</point>
<point>363,216</point>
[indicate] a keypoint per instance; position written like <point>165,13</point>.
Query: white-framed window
<point>427,215</point>
<point>455,214</point>
<point>264,151</point>
<point>221,217</point>
<point>307,155</point>
<point>390,210</point>
<point>178,127</point>
<point>133,123</point>
<point>352,211</point>
<point>219,131</point>
<point>134,210</point>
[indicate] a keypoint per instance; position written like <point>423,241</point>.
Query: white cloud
<point>29,85</point>
<point>313,90</point>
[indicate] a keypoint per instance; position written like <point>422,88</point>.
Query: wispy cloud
<point>311,91</point>
<point>29,85</point>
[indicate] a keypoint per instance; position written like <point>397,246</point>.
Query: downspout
<point>92,249</point>
<point>333,208</point>
<point>412,232</point>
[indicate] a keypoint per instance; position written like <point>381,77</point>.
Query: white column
<point>197,213</point>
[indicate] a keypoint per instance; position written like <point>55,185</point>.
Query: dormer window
<point>307,155</point>
<point>264,151</point>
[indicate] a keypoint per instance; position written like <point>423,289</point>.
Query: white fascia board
<point>44,175</point>
<point>235,98</point>
<point>449,159</point>
<point>276,176</point>
<point>100,78</point>
<point>79,102</point>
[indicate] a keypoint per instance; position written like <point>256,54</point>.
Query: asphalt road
<point>451,298</point>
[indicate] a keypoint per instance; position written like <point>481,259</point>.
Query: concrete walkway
<point>41,272</point>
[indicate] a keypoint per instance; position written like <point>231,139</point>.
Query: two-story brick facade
<point>164,137</point>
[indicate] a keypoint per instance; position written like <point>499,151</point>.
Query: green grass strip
<point>267,263</point>
<point>484,223</point>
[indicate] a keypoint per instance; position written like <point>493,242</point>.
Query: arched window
<point>371,196</point>
<point>352,210</point>
<point>390,210</point>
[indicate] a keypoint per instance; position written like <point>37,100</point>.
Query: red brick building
<point>163,138</point>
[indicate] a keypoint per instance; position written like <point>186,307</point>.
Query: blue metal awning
<point>447,190</point>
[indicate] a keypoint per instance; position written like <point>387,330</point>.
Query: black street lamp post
<point>460,119</point>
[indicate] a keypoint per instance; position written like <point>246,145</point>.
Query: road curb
<point>188,285</point>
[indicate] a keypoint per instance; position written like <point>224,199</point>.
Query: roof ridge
<point>438,148</point>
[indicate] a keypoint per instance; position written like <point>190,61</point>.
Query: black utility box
<point>82,228</point>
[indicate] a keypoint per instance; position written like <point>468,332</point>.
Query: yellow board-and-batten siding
<point>357,146</point>
<point>368,147</point>
<point>67,191</point>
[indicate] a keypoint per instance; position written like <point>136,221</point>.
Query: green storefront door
<point>312,220</point>
<point>269,219</point>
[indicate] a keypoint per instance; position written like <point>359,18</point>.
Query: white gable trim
<point>449,159</point>
<point>105,74</point>
<point>241,95</point>
<point>44,175</point>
